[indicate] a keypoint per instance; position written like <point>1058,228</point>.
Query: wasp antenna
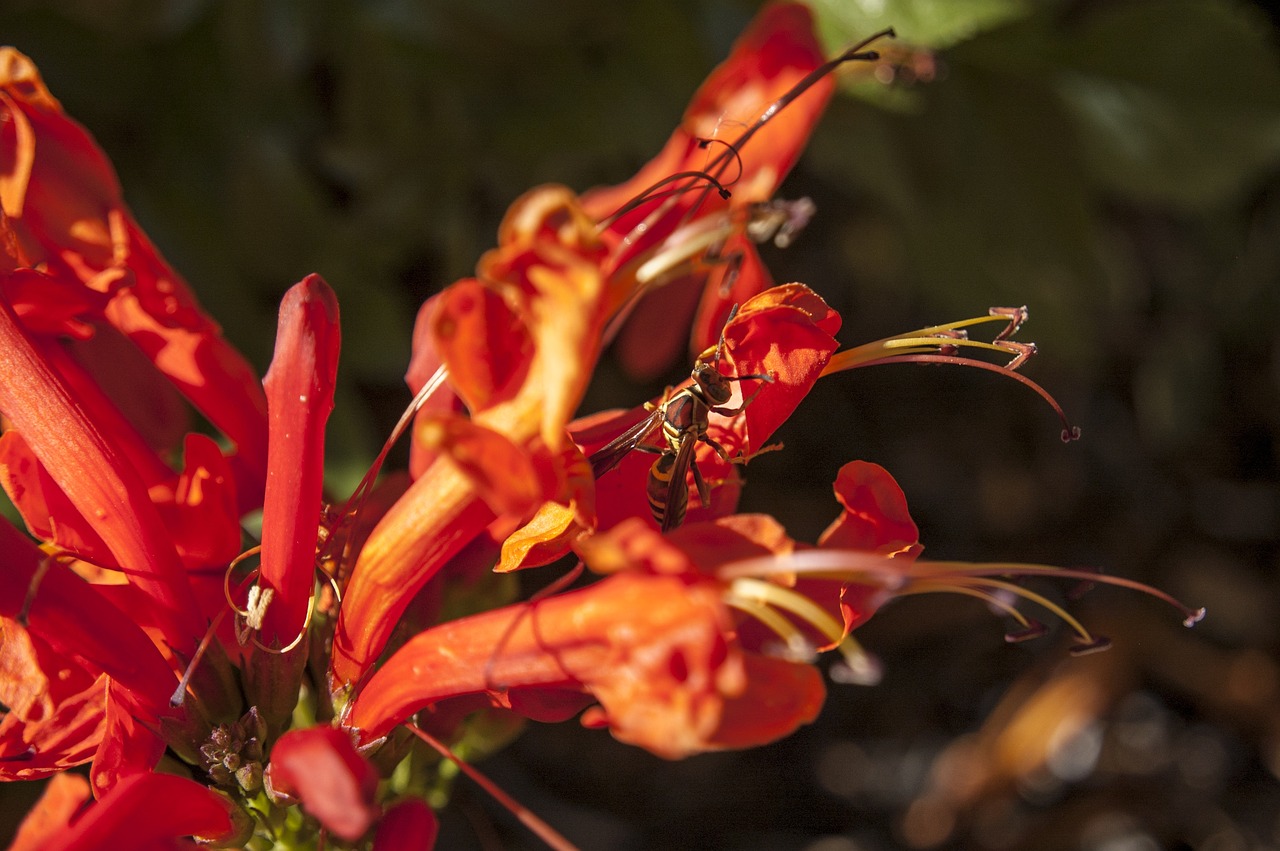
<point>733,311</point>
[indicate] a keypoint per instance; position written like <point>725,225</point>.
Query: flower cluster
<point>256,692</point>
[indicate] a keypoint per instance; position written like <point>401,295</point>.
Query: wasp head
<point>713,383</point>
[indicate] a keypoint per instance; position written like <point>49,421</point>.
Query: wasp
<point>683,419</point>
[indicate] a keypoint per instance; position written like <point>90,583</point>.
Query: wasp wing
<point>677,495</point>
<point>608,456</point>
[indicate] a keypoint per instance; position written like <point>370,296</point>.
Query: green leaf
<point>1174,102</point>
<point>923,23</point>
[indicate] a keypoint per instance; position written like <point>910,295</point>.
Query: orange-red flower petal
<point>320,767</point>
<point>148,811</point>
<point>98,482</point>
<point>300,386</point>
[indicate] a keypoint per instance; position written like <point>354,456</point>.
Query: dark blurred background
<point>1114,165</point>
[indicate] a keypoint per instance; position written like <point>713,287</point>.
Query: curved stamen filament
<point>990,599</point>
<point>938,344</point>
<point>1191,616</point>
<point>898,578</point>
<point>765,593</point>
<point>797,645</point>
<point>1069,432</point>
<point>933,338</point>
<point>1039,599</point>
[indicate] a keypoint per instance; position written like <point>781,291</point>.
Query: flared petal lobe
<point>785,333</point>
<point>319,766</point>
<point>533,316</point>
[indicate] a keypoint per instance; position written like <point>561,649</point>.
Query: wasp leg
<point>704,492</point>
<point>729,412</point>
<point>720,450</point>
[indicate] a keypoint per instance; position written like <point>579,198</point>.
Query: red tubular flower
<point>656,651</point>
<point>519,342</point>
<point>698,639</point>
<point>688,221</point>
<point>300,386</point>
<point>62,203</point>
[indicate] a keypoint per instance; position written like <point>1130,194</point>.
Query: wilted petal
<point>320,767</point>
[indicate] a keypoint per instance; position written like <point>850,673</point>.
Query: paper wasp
<point>683,419</point>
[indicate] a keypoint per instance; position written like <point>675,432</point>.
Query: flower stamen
<point>944,344</point>
<point>750,589</point>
